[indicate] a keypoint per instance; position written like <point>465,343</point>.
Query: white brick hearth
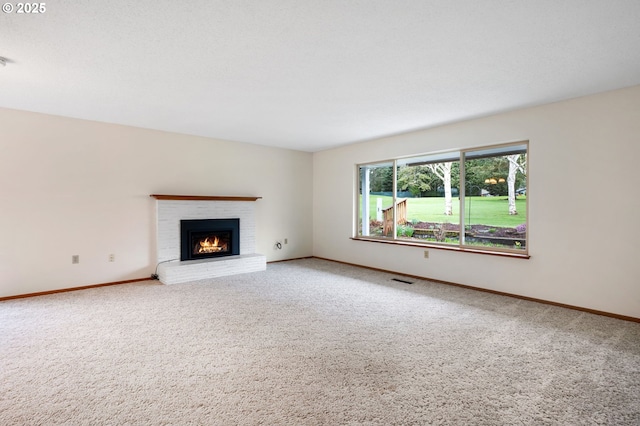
<point>169,212</point>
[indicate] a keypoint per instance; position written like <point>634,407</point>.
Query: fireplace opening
<point>205,238</point>
<point>210,242</point>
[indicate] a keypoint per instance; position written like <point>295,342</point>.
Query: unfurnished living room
<point>320,212</point>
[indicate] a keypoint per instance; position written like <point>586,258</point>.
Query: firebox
<point>205,238</point>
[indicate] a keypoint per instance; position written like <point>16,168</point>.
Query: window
<point>474,199</point>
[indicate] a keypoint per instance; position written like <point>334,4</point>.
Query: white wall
<point>79,187</point>
<point>584,226</point>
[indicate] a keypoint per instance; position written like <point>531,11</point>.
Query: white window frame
<point>460,156</point>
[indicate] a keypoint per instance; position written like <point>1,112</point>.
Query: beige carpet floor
<point>311,342</point>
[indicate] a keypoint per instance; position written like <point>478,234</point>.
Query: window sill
<point>443,247</point>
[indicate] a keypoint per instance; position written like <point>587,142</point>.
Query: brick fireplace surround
<point>170,209</point>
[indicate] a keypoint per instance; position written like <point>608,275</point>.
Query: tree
<point>516,164</point>
<point>381,179</point>
<point>443,171</point>
<point>415,179</point>
<point>479,171</point>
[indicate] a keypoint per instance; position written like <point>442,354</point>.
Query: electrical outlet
<point>112,257</point>
<point>426,254</point>
<point>75,259</point>
<point>286,241</point>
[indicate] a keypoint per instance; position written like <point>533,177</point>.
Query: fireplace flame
<point>211,246</point>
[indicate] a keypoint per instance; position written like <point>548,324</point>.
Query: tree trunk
<point>443,171</point>
<point>511,182</point>
<point>446,168</point>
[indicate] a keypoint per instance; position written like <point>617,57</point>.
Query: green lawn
<point>483,210</point>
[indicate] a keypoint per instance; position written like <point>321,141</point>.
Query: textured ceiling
<point>311,74</point>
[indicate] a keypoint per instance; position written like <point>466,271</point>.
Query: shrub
<point>441,232</point>
<point>404,231</point>
<point>521,228</point>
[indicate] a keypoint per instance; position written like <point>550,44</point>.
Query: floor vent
<point>401,281</point>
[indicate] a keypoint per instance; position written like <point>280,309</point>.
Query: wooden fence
<point>401,211</point>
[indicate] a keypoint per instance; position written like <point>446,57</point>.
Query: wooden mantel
<point>202,197</point>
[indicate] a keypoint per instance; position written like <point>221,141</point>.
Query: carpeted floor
<point>311,342</point>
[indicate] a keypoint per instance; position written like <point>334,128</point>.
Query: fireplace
<point>171,210</point>
<point>207,238</point>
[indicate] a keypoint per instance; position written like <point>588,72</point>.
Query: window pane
<point>496,198</point>
<point>375,205</point>
<point>427,199</point>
